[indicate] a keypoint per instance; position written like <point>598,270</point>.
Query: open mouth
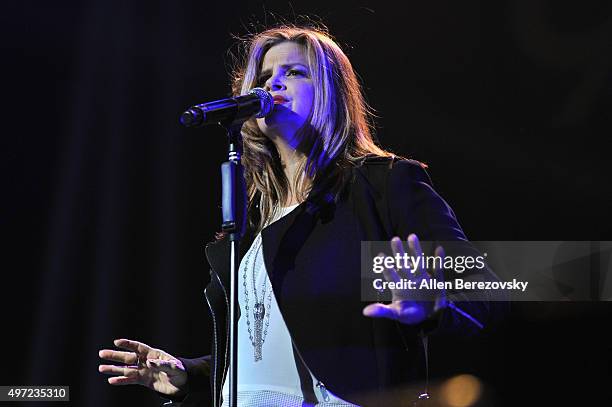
<point>280,100</point>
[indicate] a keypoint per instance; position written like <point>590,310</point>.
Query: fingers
<point>439,269</point>
<point>414,246</point>
<point>134,346</point>
<point>378,310</point>
<point>129,358</point>
<point>123,375</point>
<point>128,371</point>
<point>405,267</point>
<point>441,301</point>
<point>389,272</point>
<point>397,246</point>
<point>122,380</point>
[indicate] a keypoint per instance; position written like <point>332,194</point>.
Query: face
<point>286,75</point>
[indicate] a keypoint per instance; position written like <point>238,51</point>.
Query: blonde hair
<point>338,132</point>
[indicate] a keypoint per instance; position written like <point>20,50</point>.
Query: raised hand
<point>404,307</point>
<point>146,366</point>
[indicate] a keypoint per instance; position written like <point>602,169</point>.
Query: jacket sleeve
<point>415,207</point>
<point>198,384</point>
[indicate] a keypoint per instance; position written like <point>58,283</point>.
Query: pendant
<point>259,311</point>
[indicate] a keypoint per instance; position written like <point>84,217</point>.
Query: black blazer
<point>312,256</point>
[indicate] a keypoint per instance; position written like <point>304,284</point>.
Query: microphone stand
<point>233,199</point>
<point>231,114</point>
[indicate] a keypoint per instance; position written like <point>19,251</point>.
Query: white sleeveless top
<point>273,380</point>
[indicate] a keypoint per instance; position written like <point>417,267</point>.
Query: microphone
<point>258,102</point>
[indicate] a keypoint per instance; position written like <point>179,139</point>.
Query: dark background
<point>107,202</point>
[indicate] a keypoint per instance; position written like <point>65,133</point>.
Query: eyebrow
<point>284,66</point>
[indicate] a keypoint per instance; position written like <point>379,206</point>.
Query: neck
<point>291,158</point>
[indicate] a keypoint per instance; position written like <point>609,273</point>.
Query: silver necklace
<point>259,310</point>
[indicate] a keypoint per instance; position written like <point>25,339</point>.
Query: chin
<point>281,121</point>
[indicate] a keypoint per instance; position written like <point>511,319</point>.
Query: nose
<point>275,83</point>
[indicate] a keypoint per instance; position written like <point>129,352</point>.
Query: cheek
<point>306,101</point>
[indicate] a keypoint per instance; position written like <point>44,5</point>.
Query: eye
<point>296,72</point>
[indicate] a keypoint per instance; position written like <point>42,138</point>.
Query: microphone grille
<point>266,100</point>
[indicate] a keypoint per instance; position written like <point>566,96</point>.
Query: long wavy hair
<point>337,135</point>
